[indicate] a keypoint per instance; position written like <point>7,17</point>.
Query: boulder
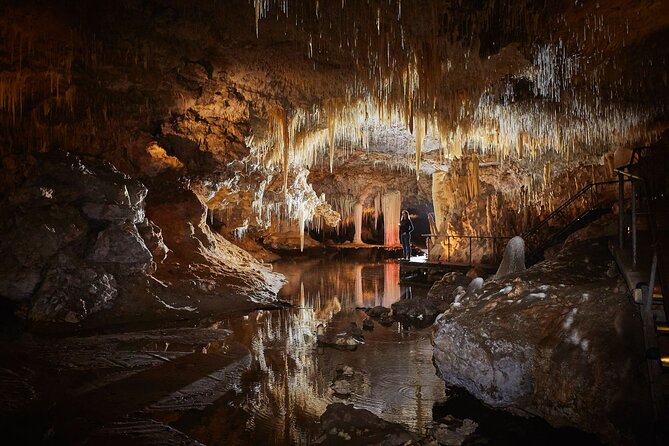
<point>419,311</point>
<point>382,314</point>
<point>17,285</point>
<point>443,288</point>
<point>348,381</point>
<point>71,229</point>
<point>153,239</point>
<point>76,240</point>
<point>343,424</point>
<point>72,294</point>
<point>560,341</point>
<point>121,244</point>
<point>452,431</point>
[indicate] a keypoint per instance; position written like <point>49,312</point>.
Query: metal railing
<point>585,200</point>
<point>645,177</point>
<point>623,176</point>
<point>497,242</point>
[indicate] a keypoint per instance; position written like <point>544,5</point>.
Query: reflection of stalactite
<point>358,286</point>
<point>391,283</point>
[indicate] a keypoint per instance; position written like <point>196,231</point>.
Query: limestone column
<point>391,204</point>
<point>357,217</point>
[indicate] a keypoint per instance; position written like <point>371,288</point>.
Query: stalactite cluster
<point>447,79</point>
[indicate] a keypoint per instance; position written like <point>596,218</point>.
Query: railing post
<point>593,196</point>
<point>621,209</point>
<point>448,251</point>
<point>633,225</point>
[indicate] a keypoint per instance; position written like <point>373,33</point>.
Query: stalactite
<point>547,175</point>
<point>391,205</point>
<point>285,147</point>
<point>404,78</point>
<point>420,136</point>
<point>331,139</point>
<point>357,218</point>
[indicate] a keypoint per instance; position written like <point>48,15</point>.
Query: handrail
<point>557,211</point>
<point>527,234</point>
<point>448,238</point>
<point>619,171</point>
<point>467,236</point>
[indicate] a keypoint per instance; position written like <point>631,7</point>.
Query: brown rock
<point>121,244</point>
<point>534,344</point>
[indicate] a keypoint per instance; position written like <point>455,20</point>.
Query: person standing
<point>406,228</point>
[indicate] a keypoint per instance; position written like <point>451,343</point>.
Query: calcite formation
<point>559,341</point>
<point>149,149</point>
<point>79,242</point>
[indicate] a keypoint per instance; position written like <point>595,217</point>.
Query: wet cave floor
<point>257,379</point>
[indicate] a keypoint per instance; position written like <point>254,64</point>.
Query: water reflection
<point>322,284</point>
<point>291,386</point>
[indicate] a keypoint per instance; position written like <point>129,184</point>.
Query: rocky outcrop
<point>419,311</point>
<point>560,341</point>
<point>77,241</point>
<point>343,424</point>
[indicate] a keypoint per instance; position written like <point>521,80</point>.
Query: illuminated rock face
<point>79,245</point>
<point>376,96</point>
<point>559,341</point>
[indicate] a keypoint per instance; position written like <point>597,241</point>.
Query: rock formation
<point>560,341</point>
<point>79,241</point>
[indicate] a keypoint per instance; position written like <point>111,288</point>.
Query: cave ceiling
<point>291,84</point>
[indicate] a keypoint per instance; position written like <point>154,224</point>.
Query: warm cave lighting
<point>200,208</point>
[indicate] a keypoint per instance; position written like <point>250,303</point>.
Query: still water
<point>281,398</point>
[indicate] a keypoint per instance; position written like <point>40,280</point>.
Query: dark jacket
<point>406,226</point>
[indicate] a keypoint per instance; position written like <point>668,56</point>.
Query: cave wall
<point>194,97</point>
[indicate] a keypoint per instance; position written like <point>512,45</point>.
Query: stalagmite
<point>391,205</point>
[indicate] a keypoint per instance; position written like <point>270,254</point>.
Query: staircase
<point>588,204</point>
<point>584,207</point>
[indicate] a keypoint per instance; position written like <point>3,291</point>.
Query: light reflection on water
<point>291,389</point>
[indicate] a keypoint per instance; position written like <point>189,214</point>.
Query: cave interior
<point>171,169</point>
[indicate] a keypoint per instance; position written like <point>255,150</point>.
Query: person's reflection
<point>406,293</point>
